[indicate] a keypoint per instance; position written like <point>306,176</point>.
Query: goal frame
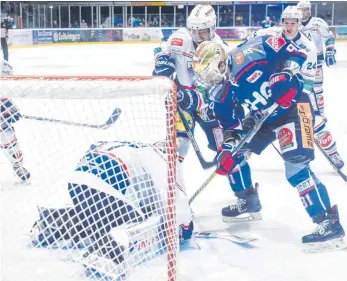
<point>171,147</point>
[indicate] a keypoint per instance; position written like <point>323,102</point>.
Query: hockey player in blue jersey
<point>263,71</point>
<point>119,192</point>
<point>323,135</point>
<point>9,115</point>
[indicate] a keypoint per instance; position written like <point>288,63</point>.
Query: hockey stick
<point>224,235</point>
<point>110,121</point>
<point>341,174</point>
<point>246,139</point>
<point>202,187</point>
<point>278,152</point>
<point>258,123</point>
<point>204,164</point>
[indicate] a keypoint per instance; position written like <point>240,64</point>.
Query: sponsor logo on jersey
<point>320,100</point>
<point>325,139</point>
<point>285,138</point>
<point>305,186</point>
<point>276,43</point>
<point>254,76</point>
<point>305,119</point>
<point>177,42</point>
<point>239,58</point>
<point>179,123</point>
<point>247,51</point>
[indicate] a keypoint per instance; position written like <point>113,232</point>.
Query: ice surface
<point>277,255</point>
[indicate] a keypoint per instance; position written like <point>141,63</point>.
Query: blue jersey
<point>251,66</point>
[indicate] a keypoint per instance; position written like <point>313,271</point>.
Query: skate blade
<point>327,246</point>
<point>246,217</point>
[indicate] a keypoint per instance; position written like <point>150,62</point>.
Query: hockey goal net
<point>62,117</point>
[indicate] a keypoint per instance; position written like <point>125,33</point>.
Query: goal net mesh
<point>86,211</point>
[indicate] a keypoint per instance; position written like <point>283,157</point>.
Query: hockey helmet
<point>201,23</point>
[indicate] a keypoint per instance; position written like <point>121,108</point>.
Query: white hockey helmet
<point>305,8</point>
<point>291,12</point>
<point>304,5</point>
<point>201,23</point>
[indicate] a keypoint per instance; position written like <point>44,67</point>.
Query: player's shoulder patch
<point>177,42</point>
<point>276,43</point>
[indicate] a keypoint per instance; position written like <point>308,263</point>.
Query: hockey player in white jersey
<point>175,59</point>
<point>9,115</point>
<point>119,192</point>
<point>318,30</point>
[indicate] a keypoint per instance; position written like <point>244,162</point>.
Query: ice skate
<point>328,235</point>
<point>247,207</point>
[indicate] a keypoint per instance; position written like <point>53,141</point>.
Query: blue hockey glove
<point>189,100</point>
<point>284,87</point>
<point>186,232</point>
<point>164,66</point>
<point>330,56</point>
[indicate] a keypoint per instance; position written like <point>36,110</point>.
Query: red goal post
<point>148,114</point>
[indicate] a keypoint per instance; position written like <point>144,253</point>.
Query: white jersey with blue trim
<point>318,30</point>
<point>134,173</point>
<point>181,47</point>
<point>308,69</point>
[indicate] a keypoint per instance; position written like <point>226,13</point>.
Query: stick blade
<point>114,117</point>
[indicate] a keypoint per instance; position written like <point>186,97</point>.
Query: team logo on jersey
<point>177,42</point>
<point>325,139</point>
<point>254,76</point>
<point>276,43</point>
<point>239,58</point>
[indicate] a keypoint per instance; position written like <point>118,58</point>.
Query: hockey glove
<point>186,231</point>
<point>189,100</point>
<point>330,56</point>
<point>285,86</point>
<point>225,161</point>
<point>164,66</point>
<point>156,51</point>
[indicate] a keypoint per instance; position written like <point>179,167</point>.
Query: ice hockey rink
<point>277,254</point>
